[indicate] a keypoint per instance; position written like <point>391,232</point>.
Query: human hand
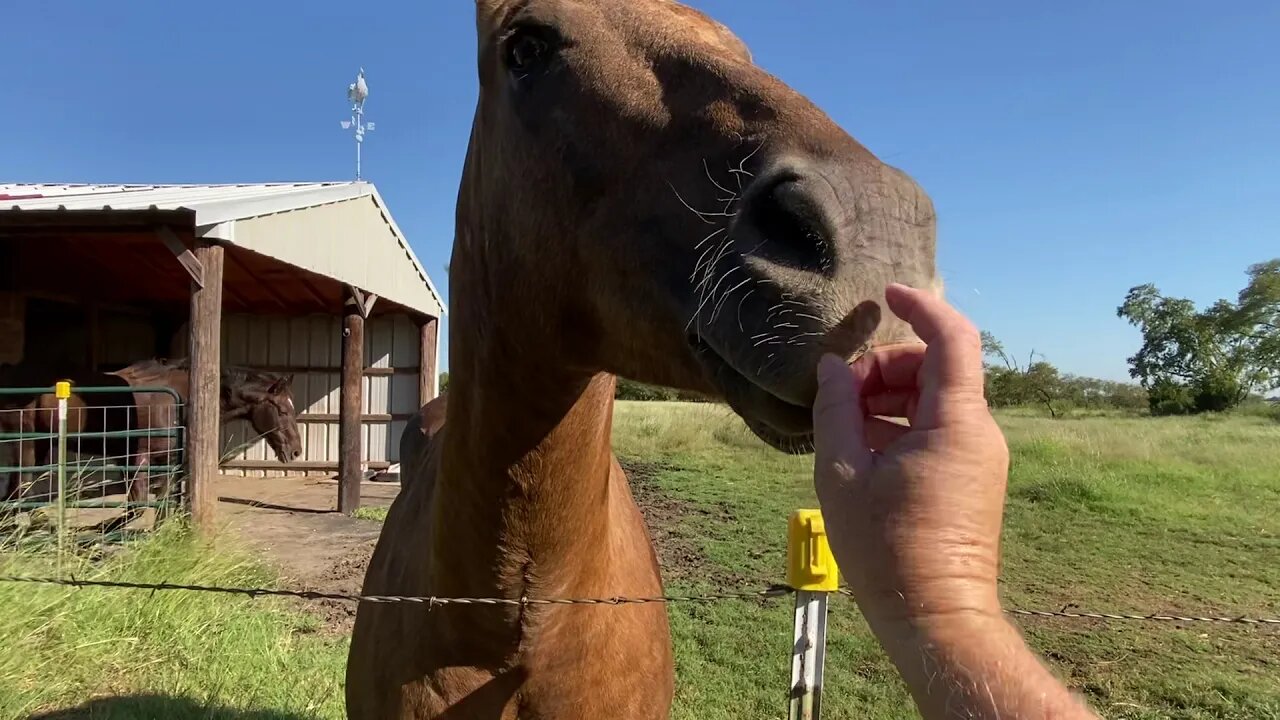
<point>913,512</point>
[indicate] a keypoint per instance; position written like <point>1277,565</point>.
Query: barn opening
<point>95,277</point>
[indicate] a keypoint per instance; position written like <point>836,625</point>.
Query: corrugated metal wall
<point>315,342</point>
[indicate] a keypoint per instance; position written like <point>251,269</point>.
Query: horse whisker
<point>701,214</point>
<point>721,188</point>
<point>725,297</point>
<point>740,302</point>
<point>712,294</point>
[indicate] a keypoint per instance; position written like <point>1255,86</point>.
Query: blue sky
<point>1072,149</point>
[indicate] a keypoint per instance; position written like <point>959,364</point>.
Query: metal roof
<point>218,208</point>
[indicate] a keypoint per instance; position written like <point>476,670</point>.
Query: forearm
<point>977,668</point>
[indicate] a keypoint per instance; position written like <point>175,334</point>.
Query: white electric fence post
<point>812,573</point>
<point>62,391</point>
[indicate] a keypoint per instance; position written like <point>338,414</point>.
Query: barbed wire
<point>1156,616</point>
<point>768,593</point>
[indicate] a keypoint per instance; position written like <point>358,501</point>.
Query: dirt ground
<point>295,523</point>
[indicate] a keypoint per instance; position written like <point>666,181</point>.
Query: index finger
<point>950,337</point>
<point>951,375</point>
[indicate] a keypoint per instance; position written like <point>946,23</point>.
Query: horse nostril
<point>791,225</point>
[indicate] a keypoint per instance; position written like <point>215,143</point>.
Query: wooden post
<point>427,388</point>
<point>350,407</point>
<point>203,402</point>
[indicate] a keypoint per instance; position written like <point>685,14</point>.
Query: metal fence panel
<point>69,459</point>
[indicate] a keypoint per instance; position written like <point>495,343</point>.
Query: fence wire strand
<point>769,593</point>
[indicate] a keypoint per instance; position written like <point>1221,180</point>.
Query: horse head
<point>267,402</point>
<point>637,183</point>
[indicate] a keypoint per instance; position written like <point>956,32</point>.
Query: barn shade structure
<point>313,279</point>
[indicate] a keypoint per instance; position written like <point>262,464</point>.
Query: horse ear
<point>280,385</point>
<point>487,10</point>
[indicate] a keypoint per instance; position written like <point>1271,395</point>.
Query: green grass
<point>371,512</point>
<point>1105,512</point>
<point>1115,513</point>
<point>133,654</point>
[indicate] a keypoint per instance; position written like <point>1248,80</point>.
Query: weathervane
<point>357,93</point>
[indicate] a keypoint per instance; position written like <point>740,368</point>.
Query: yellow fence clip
<point>810,564</point>
<point>812,572</point>
<point>62,390</point>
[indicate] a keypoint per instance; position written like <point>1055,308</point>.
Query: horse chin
<point>799,444</point>
<point>780,423</point>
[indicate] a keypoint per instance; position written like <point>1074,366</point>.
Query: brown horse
<point>40,416</point>
<point>419,431</point>
<point>638,199</point>
<point>264,399</point>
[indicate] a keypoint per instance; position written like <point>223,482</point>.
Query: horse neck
<point>230,400</point>
<point>523,487</point>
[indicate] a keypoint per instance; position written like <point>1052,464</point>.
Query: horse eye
<point>525,51</point>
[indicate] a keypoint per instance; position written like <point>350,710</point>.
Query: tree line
<point>1191,360</point>
<point>1038,383</point>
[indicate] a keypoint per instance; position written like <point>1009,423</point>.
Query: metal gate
<point>68,457</point>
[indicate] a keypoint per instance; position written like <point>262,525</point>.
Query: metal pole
<point>809,655</point>
<point>62,391</point>
<point>812,572</point>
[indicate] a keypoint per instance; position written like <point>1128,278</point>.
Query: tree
<point>1213,359</point>
<point>444,381</point>
<point>1012,385</point>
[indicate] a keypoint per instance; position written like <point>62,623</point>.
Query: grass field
<point>1106,513</point>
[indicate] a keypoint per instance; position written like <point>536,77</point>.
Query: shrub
<point>1170,398</point>
<point>632,390</point>
<point>1217,393</point>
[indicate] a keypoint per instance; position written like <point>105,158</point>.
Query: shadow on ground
<point>158,707</point>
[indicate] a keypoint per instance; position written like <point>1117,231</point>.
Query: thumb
<point>838,433</point>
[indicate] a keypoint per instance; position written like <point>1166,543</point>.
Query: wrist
<point>978,662</point>
<point>960,627</point>
<point>945,605</point>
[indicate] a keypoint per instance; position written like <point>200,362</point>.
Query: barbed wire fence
<point>769,593</point>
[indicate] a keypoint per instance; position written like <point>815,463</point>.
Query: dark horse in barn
<point>144,404</point>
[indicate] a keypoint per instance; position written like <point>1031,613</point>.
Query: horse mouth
<point>780,423</point>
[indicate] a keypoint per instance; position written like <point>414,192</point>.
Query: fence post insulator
<point>62,390</point>
<point>812,572</point>
<point>810,564</point>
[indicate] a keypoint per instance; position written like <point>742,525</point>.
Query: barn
<point>313,279</point>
